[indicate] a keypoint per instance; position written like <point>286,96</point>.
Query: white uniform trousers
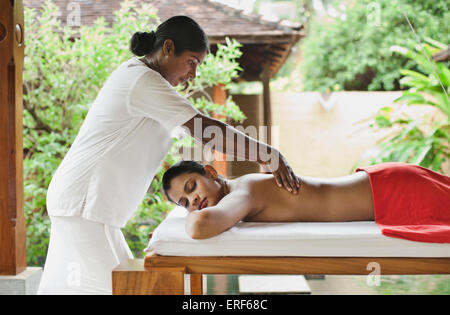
<point>81,257</point>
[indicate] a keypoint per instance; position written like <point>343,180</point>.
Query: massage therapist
<point>122,142</point>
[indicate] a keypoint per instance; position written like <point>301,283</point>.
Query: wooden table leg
<point>130,278</point>
<point>196,284</point>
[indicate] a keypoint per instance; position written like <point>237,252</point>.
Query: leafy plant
<point>225,59</point>
<point>416,144</point>
<point>64,69</point>
<point>352,50</point>
<point>414,284</point>
<point>434,83</point>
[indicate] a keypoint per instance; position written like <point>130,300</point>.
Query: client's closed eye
<point>193,186</point>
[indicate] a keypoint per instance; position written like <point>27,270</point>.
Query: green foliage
<point>354,53</point>
<point>413,144</point>
<point>64,69</point>
<point>225,59</point>
<point>412,284</point>
<point>429,88</point>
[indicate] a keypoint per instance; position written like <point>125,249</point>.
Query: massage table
<point>332,248</point>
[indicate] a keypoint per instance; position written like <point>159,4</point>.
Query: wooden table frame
<point>165,274</point>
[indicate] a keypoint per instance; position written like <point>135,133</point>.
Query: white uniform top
<point>122,142</point>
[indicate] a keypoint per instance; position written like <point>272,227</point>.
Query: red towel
<point>410,202</point>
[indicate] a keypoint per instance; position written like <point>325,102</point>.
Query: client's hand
<point>283,173</point>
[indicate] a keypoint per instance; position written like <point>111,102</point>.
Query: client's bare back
<point>347,198</point>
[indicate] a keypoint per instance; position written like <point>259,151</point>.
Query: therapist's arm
<point>283,173</point>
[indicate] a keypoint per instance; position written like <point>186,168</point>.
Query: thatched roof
<point>265,43</point>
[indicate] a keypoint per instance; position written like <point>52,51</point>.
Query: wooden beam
<point>165,274</point>
<point>130,278</point>
<point>12,222</point>
<point>300,265</point>
<point>196,284</point>
<point>266,103</point>
<point>220,162</point>
<point>285,54</point>
<point>271,53</point>
<point>275,38</point>
<point>282,48</point>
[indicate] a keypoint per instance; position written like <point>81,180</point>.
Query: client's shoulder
<point>251,183</point>
<point>253,188</point>
<point>253,178</point>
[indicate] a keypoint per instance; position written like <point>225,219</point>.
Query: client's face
<point>195,191</point>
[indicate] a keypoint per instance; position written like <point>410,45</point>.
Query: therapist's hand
<point>283,173</point>
<point>279,167</point>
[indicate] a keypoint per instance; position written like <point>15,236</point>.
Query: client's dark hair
<point>178,169</point>
<point>185,33</point>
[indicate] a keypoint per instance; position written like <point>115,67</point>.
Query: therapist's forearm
<point>233,140</point>
<point>235,143</point>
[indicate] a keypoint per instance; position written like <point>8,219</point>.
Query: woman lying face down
<point>215,204</point>
<point>405,200</point>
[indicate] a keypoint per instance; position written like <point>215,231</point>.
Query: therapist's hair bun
<point>142,43</point>
<point>185,33</point>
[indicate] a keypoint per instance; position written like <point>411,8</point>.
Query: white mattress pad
<point>312,239</point>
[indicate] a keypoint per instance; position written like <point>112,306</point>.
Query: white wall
<point>322,143</point>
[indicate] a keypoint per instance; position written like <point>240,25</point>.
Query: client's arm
<point>212,221</point>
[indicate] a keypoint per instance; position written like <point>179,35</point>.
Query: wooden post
<point>12,222</point>
<point>196,284</point>
<point>220,162</point>
<point>130,278</point>
<point>266,103</point>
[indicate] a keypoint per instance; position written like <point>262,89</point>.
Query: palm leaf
<point>421,154</point>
